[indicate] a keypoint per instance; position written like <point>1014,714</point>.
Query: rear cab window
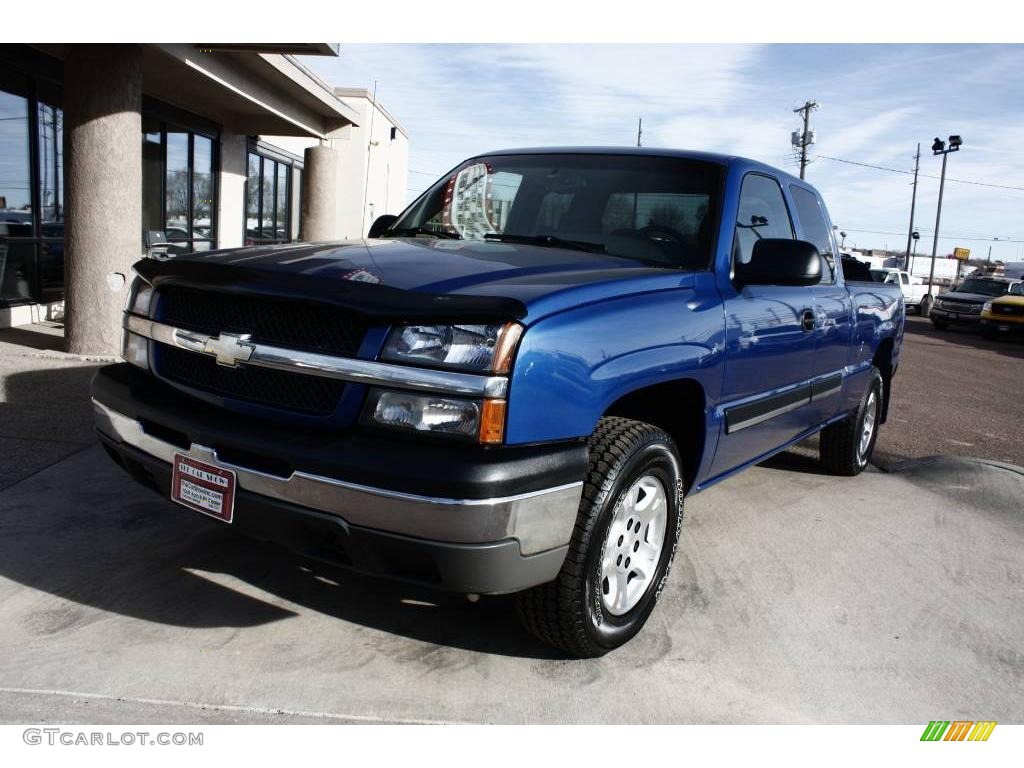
<point>815,229</point>
<point>762,215</point>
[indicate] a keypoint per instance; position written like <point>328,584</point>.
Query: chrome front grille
<point>308,327</point>
<point>279,322</point>
<point>962,307</point>
<point>313,395</point>
<point>1008,309</point>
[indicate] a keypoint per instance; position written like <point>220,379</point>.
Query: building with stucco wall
<point>112,152</point>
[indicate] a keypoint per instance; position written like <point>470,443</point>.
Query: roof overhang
<point>292,49</point>
<point>247,92</point>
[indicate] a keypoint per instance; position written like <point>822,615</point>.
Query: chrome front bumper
<point>540,521</point>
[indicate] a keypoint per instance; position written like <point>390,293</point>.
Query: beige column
<point>319,221</point>
<point>103,190</point>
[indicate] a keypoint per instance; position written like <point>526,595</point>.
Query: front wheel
<point>846,446</point>
<point>622,547</point>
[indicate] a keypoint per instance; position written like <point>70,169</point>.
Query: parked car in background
<point>1004,315</point>
<point>963,306</point>
<point>915,293</point>
<point>510,387</point>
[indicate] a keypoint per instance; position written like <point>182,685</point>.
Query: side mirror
<point>381,225</point>
<point>778,261</point>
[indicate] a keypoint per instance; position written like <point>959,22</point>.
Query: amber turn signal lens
<point>507,343</point>
<point>492,422</point>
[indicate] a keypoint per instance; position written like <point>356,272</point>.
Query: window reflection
<point>271,200</point>
<point>202,193</point>
<point>177,191</point>
<point>17,259</point>
<point>51,170</point>
<point>15,206</point>
<point>152,176</point>
<point>179,203</point>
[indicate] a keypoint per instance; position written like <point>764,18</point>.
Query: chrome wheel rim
<point>867,430</point>
<point>632,548</point>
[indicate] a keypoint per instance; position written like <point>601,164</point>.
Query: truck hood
<point>541,279</point>
<point>967,298</point>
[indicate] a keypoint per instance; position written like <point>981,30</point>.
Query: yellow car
<point>1005,314</point>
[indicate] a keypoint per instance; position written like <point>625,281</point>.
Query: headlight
<point>140,296</point>
<point>135,349</point>
<point>476,348</point>
<point>986,307</point>
<point>424,413</point>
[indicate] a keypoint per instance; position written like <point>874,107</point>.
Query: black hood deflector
<point>379,303</point>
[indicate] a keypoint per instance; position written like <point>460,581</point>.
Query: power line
<point>941,237</point>
<point>925,175</point>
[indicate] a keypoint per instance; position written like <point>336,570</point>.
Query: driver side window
<point>762,214</point>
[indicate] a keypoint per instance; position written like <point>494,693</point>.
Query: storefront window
<point>152,176</point>
<point>202,193</point>
<point>51,170</point>
<point>31,217</point>
<point>296,203</point>
<point>270,212</point>
<point>179,191</point>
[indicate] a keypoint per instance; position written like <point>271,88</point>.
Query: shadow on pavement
<point>84,531</point>
<point>33,339</point>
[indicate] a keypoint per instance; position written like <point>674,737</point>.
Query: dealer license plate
<point>203,487</point>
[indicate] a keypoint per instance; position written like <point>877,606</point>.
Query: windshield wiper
<point>411,231</point>
<point>546,240</point>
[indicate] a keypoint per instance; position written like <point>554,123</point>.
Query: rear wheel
<point>622,546</point>
<point>846,446</point>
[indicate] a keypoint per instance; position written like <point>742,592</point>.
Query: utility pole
<point>639,130</point>
<point>805,138</point>
<point>913,203</point>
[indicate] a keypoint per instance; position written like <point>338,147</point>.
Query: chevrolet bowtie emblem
<point>230,348</point>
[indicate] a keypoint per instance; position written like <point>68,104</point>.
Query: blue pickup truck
<point>511,387</point>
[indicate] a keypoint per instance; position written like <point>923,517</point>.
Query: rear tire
<point>601,598</point>
<point>845,447</point>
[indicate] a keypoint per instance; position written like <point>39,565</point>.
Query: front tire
<point>845,447</point>
<point>622,547</point>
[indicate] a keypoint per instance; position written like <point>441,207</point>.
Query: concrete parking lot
<point>894,597</point>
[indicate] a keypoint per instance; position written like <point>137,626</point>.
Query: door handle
<point>807,320</point>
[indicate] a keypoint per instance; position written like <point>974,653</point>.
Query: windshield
<point>1017,289</point>
<point>984,287</point>
<point>881,275</point>
<point>656,210</point>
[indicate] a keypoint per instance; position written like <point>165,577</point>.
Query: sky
<point>876,103</point>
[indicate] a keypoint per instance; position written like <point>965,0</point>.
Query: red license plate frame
<point>203,487</point>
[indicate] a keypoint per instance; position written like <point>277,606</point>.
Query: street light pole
<point>939,148</point>
<point>938,218</point>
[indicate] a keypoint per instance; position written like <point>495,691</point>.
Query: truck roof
<point>744,163</point>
